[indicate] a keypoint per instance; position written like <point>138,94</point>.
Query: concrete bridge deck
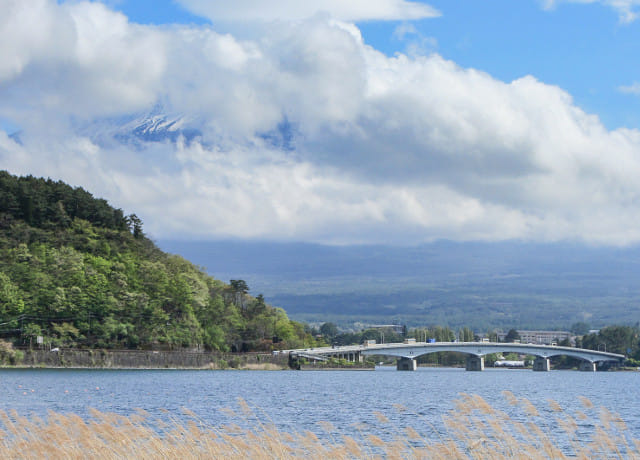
<point>408,352</point>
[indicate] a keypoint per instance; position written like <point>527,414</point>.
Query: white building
<point>540,337</point>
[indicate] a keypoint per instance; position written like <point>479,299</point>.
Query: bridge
<point>409,351</point>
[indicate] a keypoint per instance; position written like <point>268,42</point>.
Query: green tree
<point>329,330</point>
<point>466,335</point>
<point>619,339</point>
<point>613,339</point>
<point>512,336</point>
<point>257,306</point>
<point>135,225</point>
<point>11,301</point>
<point>239,288</point>
<point>580,328</point>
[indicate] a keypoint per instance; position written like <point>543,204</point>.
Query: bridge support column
<point>475,363</point>
<point>406,364</point>
<point>587,366</point>
<point>541,364</point>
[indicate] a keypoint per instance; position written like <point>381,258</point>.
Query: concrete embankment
<point>139,359</point>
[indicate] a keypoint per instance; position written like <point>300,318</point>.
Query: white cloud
<point>286,10</point>
<point>380,149</point>
<point>627,9</point>
<point>77,59</point>
<point>634,88</point>
<point>416,43</point>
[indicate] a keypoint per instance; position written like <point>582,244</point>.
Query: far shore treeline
<point>80,273</point>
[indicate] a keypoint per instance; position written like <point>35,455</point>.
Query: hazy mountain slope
<point>478,284</point>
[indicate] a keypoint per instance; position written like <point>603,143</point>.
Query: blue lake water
<point>297,401</point>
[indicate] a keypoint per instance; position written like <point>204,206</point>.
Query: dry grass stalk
<point>529,408</point>
<point>474,430</point>
<point>381,417</point>
<point>400,408</point>
<point>586,402</point>
<point>554,405</point>
<point>510,397</point>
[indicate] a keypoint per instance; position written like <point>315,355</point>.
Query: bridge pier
<point>587,366</point>
<point>354,357</point>
<point>406,364</point>
<point>541,364</point>
<point>475,363</point>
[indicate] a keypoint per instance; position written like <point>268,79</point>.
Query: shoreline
<point>181,360</point>
<point>79,368</point>
<point>146,359</point>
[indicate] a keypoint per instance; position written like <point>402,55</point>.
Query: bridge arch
<point>478,350</point>
<point>407,353</point>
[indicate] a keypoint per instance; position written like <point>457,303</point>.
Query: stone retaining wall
<point>131,359</point>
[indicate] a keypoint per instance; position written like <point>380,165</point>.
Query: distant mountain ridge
<point>481,285</point>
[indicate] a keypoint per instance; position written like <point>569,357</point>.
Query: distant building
<point>540,337</point>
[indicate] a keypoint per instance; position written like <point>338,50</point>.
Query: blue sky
<point>156,12</point>
<point>367,121</point>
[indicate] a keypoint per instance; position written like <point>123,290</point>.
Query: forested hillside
<point>78,272</point>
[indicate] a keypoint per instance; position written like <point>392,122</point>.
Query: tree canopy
<point>78,272</point>
<point>512,336</point>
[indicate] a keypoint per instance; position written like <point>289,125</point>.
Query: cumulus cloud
<point>78,59</point>
<point>285,10</point>
<point>627,9</point>
<point>306,133</point>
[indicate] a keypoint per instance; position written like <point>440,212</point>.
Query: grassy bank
<point>473,429</point>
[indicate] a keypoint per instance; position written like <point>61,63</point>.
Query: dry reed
<point>473,430</point>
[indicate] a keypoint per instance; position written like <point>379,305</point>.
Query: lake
<point>350,401</point>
